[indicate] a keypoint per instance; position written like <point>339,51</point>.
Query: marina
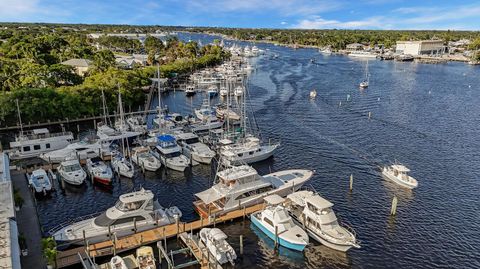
<point>281,139</point>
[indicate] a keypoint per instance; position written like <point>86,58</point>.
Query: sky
<point>300,14</point>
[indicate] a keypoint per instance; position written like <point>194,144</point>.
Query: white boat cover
<point>274,199</point>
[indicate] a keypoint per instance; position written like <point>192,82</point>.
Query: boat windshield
<point>173,154</point>
<point>72,167</point>
<point>192,140</point>
<point>124,207</point>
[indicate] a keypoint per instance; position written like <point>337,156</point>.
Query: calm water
<point>425,116</point>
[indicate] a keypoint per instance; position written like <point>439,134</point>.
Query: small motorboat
<point>145,158</point>
<point>364,84</point>
<point>398,174</point>
<point>223,91</point>
<point>71,172</point>
<point>277,224</point>
<point>145,258</point>
<point>117,263</point>
<point>122,166</point>
<point>313,94</point>
<point>99,171</point>
<point>238,91</point>
<point>190,90</point>
<point>40,181</point>
<point>216,242</point>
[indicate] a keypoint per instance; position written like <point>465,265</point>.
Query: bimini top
<point>274,199</point>
<point>166,138</point>
<point>217,234</point>
<point>400,168</point>
<point>318,201</point>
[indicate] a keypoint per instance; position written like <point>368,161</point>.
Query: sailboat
<point>120,164</point>
<point>364,84</point>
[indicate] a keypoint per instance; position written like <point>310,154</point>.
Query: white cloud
<point>10,9</point>
<point>318,22</point>
<point>283,23</point>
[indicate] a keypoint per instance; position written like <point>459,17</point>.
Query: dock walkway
<point>28,223</point>
<point>200,252</point>
<point>115,246</point>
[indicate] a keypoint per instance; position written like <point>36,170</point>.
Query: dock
<point>118,245</point>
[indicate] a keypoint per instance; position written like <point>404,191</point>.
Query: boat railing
<point>62,225</point>
<point>31,135</point>
<point>349,228</point>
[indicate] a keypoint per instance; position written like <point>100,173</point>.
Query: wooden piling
<point>393,210</point>
<point>84,238</point>
<point>241,244</point>
<point>276,237</point>
<point>369,115</point>
<point>351,182</point>
<point>135,225</point>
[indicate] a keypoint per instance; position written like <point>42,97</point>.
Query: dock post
<point>393,210</point>
<point>241,244</point>
<point>183,227</point>
<point>114,244</point>
<point>78,128</point>
<point>178,227</point>
<point>201,221</point>
<point>244,212</point>
<point>135,225</point>
<point>214,219</point>
<point>369,115</point>
<point>276,237</point>
<point>109,232</point>
<point>351,182</point>
<point>84,238</point>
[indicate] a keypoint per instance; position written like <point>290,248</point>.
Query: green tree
<point>103,60</point>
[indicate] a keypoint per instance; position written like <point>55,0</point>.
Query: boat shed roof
<point>274,199</point>
<point>318,201</point>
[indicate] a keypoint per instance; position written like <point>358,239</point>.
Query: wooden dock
<point>118,245</point>
<point>199,250</point>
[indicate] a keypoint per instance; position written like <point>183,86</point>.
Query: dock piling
<point>276,237</point>
<point>393,210</point>
<point>351,182</point>
<point>369,115</point>
<point>241,244</point>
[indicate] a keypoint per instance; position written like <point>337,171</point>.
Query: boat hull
<point>398,181</point>
<point>103,181</point>
<point>323,241</point>
<point>281,241</point>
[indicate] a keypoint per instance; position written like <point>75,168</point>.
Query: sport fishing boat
<point>193,148</point>
<point>132,210</point>
<point>40,182</point>
<point>216,242</point>
<point>315,214</point>
<point>247,150</point>
<point>145,258</point>
<point>277,224</point>
<point>399,174</point>
<point>170,154</point>
<point>144,157</point>
<point>71,172</point>
<point>99,171</point>
<point>240,186</point>
<point>122,166</point>
<point>38,141</point>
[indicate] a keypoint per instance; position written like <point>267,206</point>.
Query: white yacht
<point>238,91</point>
<point>122,166</point>
<point>247,150</point>
<point>80,150</point>
<point>216,242</point>
<point>200,126</point>
<point>277,224</point>
<point>365,83</point>
<point>326,51</point>
<point>399,174</point>
<point>38,141</point>
<point>40,182</point>
<point>71,172</point>
<point>99,171</point>
<point>135,209</point>
<point>241,186</point>
<point>137,124</point>
<point>223,112</point>
<point>313,94</point>
<point>107,133</point>
<point>205,112</point>
<point>145,258</point>
<point>223,91</point>
<point>193,148</point>
<point>315,213</point>
<point>190,90</point>
<point>170,154</point>
<point>362,54</point>
<point>145,158</point>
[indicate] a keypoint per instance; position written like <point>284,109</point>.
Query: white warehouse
<point>423,47</point>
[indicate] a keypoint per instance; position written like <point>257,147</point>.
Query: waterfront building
<point>421,47</point>
<point>10,249</point>
<point>81,66</point>
<point>355,47</point>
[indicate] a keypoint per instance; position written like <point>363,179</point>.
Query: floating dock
<point>118,245</point>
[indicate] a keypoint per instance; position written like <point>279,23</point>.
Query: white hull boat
<point>193,148</point>
<point>79,150</point>
<point>216,242</point>
<point>313,94</point>
<point>136,209</point>
<point>145,258</point>
<point>99,171</point>
<point>37,142</point>
<point>71,172</point>
<point>398,174</point>
<point>315,213</point>
<point>117,263</point>
<point>40,182</point>
<point>247,151</point>
<point>122,166</point>
<point>170,154</point>
<point>144,157</point>
<point>277,224</point>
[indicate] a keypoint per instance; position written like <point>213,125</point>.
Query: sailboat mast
<point>19,117</point>
<point>159,90</point>
<point>104,108</point>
